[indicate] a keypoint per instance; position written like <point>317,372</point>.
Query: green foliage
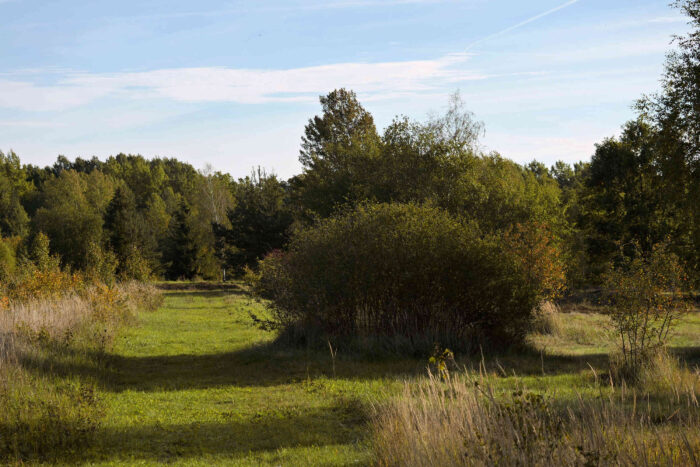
<point>623,199</point>
<point>405,272</point>
<point>646,299</point>
<point>135,266</point>
<point>40,253</point>
<point>71,215</point>
<point>181,254</point>
<point>498,193</point>
<point>338,154</point>
<point>427,161</point>
<point>7,260</point>
<point>259,222</point>
<point>132,199</point>
<point>101,264</point>
<point>13,187</point>
<point>122,225</point>
<point>675,115</point>
<point>436,161</point>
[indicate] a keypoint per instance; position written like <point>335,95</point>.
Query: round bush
<point>398,271</point>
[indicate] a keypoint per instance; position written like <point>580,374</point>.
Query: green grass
<point>196,383</point>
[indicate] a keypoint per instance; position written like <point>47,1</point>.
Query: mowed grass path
<point>195,383</point>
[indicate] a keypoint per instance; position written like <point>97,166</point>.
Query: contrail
<point>523,23</point>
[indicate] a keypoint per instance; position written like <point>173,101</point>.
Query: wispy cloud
<point>522,23</point>
<point>668,19</point>
<point>28,124</point>
<point>219,84</point>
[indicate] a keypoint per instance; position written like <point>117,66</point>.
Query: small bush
<point>402,273</point>
<point>135,266</point>
<point>645,299</point>
<point>100,264</point>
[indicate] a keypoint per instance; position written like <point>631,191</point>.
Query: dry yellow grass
<point>552,327</point>
<point>465,421</point>
<point>58,318</point>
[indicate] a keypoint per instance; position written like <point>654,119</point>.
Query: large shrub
<point>408,273</point>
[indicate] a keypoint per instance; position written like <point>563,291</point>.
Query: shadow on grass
<point>206,286</point>
<point>206,294</point>
<point>688,355</point>
<point>271,365</point>
<point>337,424</point>
<point>235,436</point>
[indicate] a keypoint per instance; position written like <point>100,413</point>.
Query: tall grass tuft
<point>547,319</point>
<point>464,420</point>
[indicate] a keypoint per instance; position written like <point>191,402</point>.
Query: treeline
<point>135,214</point>
<point>163,218</point>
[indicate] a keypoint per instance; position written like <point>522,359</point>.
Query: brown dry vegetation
<point>467,420</point>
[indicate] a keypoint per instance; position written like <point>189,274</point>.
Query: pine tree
<point>182,247</point>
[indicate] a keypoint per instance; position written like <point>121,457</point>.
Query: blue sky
<point>233,83</point>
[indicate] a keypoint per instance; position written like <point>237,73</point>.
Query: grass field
<point>196,383</point>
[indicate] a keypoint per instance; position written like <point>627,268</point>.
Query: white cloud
<point>218,84</point>
<point>28,124</point>
<point>27,96</point>
<point>668,19</point>
<point>548,150</point>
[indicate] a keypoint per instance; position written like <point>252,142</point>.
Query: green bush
<point>101,264</point>
<point>400,273</point>
<point>7,260</point>
<point>646,298</point>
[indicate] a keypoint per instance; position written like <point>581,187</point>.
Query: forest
<point>409,298</point>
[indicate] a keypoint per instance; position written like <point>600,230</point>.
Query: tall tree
<point>121,225</point>
<point>675,114</point>
<point>70,216</point>
<point>181,252</point>
<point>338,154</point>
<point>259,221</point>
<point>13,187</point>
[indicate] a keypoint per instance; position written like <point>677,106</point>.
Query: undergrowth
<point>465,419</point>
<point>58,322</point>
